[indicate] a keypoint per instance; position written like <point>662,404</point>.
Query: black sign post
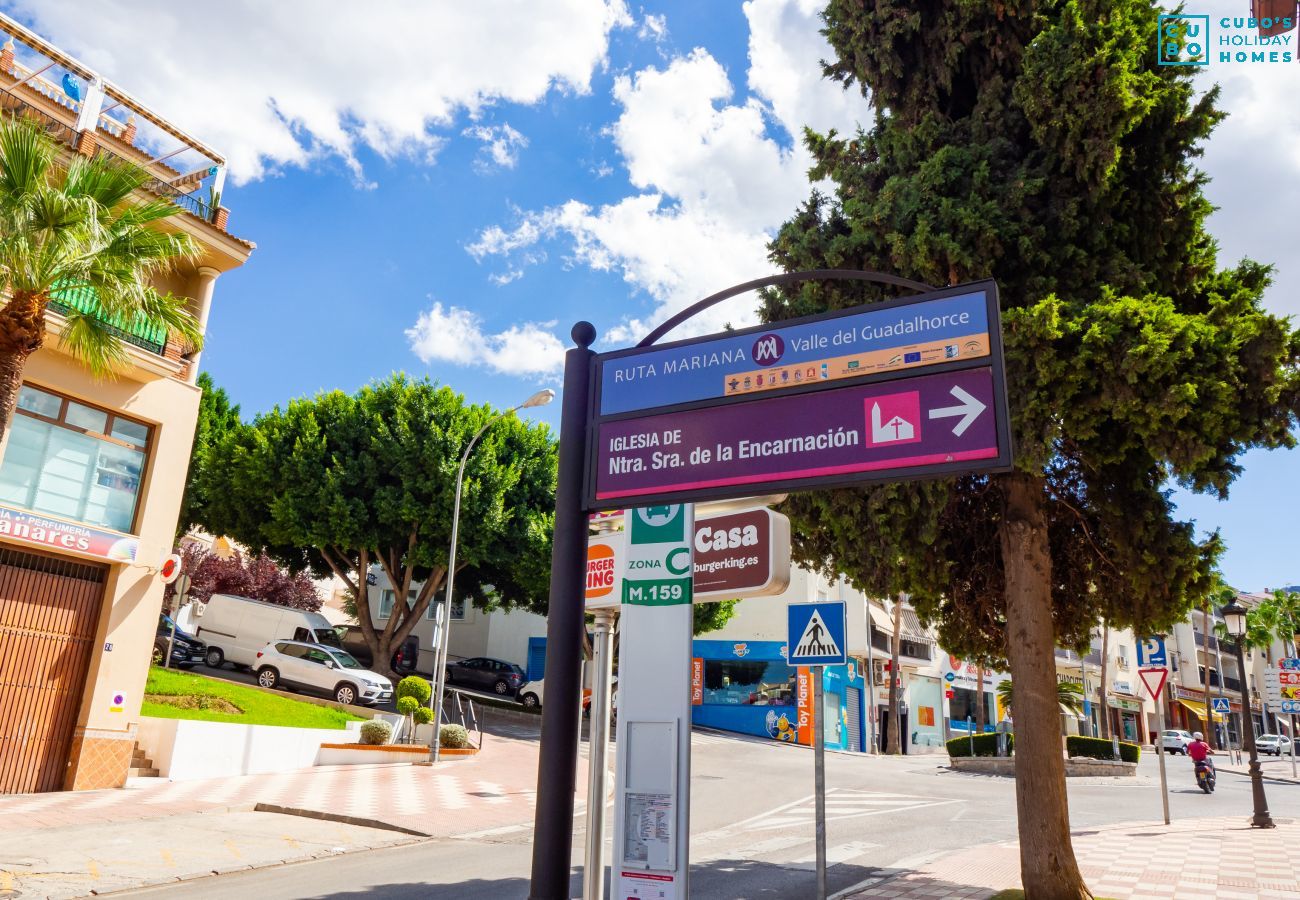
<point>557,764</point>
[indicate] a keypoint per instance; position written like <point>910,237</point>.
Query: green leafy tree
<point>712,616</point>
<point>80,225</point>
<point>1038,143</point>
<point>217,418</point>
<point>340,483</point>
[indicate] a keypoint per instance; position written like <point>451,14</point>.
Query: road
<point>752,828</point>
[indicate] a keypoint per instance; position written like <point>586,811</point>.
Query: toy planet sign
<point>907,389</point>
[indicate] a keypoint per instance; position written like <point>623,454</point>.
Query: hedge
<point>985,745</point>
<point>1100,748</point>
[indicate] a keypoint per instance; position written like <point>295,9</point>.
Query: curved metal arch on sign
<point>770,281</point>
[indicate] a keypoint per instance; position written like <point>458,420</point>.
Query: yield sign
<point>1154,681</point>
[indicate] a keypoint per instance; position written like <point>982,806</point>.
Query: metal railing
<point>20,108</point>
<point>83,299</point>
<point>158,187</point>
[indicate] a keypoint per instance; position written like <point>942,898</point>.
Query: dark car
<point>353,641</point>
<point>187,650</point>
<point>487,674</point>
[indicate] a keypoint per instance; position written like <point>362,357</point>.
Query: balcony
<point>1208,641</point>
<point>184,171</point>
<point>82,298</point>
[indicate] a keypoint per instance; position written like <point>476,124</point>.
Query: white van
<point>235,628</point>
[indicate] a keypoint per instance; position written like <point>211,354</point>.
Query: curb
<point>335,817</point>
<point>1279,779</point>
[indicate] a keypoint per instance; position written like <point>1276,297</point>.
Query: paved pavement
<point>1191,859</point>
<point>751,835</point>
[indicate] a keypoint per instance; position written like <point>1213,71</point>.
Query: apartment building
<point>92,471</point>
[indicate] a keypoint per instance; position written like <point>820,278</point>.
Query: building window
<point>386,600</point>
<point>67,458</point>
<point>457,610</point>
<point>729,682</point>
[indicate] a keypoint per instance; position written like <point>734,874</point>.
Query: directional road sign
<point>1154,681</point>
<point>1151,651</point>
<point>905,389</point>
<point>1221,705</point>
<point>816,635</point>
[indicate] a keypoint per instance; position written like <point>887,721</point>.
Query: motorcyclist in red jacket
<point>1199,751</point>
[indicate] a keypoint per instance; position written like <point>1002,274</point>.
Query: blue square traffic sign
<point>1222,705</point>
<point>816,635</point>
<point>1151,652</point>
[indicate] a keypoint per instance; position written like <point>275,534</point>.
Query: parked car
<point>187,650</point>
<point>1175,741</point>
<point>235,628</point>
<point>1276,744</point>
<point>534,692</point>
<point>502,678</point>
<point>353,641</point>
<point>320,669</point>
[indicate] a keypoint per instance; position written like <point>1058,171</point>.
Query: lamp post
<point>541,398</point>
<point>1234,619</point>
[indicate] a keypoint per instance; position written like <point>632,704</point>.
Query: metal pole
<point>444,614</point>
<point>593,868</point>
<point>1261,818</point>
<point>1160,751</point>
<point>871,686</point>
<point>1218,662</point>
<point>557,757</point>
<point>1292,737</point>
<point>819,778</point>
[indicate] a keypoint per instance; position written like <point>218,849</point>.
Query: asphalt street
<point>752,828</point>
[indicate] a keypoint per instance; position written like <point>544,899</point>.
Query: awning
<point>912,629</point>
<point>1199,710</point>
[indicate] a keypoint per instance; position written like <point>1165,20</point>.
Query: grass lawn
<point>177,695</point>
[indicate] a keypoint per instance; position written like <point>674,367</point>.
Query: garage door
<point>49,609</point>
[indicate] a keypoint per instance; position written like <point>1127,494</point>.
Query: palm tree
<point>80,227</point>
<point>1068,694</point>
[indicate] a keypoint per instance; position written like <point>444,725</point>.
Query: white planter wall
<point>184,750</point>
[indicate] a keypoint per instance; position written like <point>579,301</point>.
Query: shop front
<point>746,687</point>
<point>1126,718</point>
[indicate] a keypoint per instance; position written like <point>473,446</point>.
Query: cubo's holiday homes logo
<point>1194,40</point>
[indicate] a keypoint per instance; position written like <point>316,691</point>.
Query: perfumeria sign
<point>1196,40</point>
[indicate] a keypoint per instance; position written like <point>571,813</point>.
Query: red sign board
<point>1154,681</point>
<point>58,534</point>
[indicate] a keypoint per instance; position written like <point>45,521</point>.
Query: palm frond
<point>26,157</point>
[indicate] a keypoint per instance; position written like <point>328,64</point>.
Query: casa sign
<point>905,389</point>
<point>738,554</point>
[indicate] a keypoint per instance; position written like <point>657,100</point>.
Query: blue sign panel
<point>816,634</point>
<point>888,337</point>
<point>1151,652</point>
<point>1222,705</point>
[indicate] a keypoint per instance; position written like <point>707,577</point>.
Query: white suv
<point>1277,744</point>
<point>320,669</point>
<point>1175,741</point>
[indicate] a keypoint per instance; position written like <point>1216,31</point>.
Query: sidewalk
<point>56,845</point>
<point>1193,859</point>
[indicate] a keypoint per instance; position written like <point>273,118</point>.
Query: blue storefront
<point>746,687</point>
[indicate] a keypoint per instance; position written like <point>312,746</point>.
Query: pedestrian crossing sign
<point>1222,705</point>
<point>816,635</point>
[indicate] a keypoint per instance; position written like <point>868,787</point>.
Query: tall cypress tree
<point>1038,143</point>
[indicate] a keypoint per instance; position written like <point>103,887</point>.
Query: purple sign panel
<point>947,423</point>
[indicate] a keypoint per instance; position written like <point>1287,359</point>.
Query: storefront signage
<point>659,549</point>
<point>742,554</point>
<point>57,534</point>
<point>911,389</point>
<point>697,681</point>
<point>605,564</point>
<point>1121,703</point>
<point>803,691</point>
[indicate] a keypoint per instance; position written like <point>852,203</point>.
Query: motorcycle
<point>1205,776</point>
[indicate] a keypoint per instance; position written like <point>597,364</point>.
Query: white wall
<point>184,750</point>
<point>508,634</point>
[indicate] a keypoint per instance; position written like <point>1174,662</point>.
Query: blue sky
<point>445,188</point>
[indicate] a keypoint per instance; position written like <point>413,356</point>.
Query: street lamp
<point>541,398</point>
<point>1234,620</point>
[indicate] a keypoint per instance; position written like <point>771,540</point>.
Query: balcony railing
<point>20,108</point>
<point>187,202</point>
<point>1209,642</point>
<point>82,298</point>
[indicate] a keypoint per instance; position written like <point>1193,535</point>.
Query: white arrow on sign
<point>969,410</point>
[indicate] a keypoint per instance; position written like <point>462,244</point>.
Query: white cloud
<point>653,28</point>
<point>280,84</point>
<point>453,334</point>
<point>501,146</point>
<point>714,181</point>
